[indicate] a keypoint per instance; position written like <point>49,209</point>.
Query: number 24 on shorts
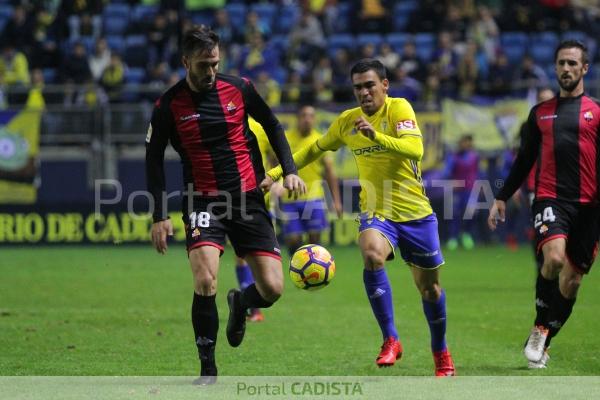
<point>199,220</point>
<point>545,216</point>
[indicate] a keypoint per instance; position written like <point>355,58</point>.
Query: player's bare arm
<point>160,231</point>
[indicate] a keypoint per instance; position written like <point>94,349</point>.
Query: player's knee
<point>373,258</point>
<point>205,283</point>
<point>430,291</point>
<point>553,263</point>
<point>272,291</point>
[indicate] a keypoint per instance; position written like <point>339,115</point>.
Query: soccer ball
<point>312,267</point>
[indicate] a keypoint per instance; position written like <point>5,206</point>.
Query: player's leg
<point>245,279</point>
<point>581,249</point>
<point>419,245</point>
<point>291,224</point>
<point>375,248</point>
<point>253,238</point>
<point>316,221</point>
<point>204,262</point>
<point>551,224</point>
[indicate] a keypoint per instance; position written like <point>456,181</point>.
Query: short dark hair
<point>199,38</point>
<point>369,64</point>
<point>569,44</point>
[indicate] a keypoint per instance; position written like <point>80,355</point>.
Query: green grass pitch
<point>126,311</point>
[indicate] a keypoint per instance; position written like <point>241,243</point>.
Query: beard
<point>201,84</point>
<point>568,87</point>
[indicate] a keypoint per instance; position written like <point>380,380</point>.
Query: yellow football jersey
<point>388,166</point>
<point>262,139</point>
<point>311,174</point>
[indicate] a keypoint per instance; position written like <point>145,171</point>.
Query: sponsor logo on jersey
<point>189,117</point>
<point>231,107</point>
<point>553,116</point>
<point>369,150</point>
<point>407,124</point>
<point>588,116</point>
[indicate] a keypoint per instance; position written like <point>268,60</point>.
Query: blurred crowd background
<point>85,74</point>
<point>295,51</point>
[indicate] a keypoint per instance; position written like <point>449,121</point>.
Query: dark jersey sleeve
<point>531,139</point>
<point>260,111</point>
<point>157,139</point>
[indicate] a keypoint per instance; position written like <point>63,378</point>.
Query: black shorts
<point>245,221</point>
<point>578,224</point>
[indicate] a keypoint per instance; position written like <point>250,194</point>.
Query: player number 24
<point>545,216</point>
<point>199,219</point>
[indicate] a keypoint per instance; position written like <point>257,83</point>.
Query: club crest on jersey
<point>588,116</point>
<point>543,230</point>
<point>196,233</point>
<point>407,124</point>
<point>231,107</point>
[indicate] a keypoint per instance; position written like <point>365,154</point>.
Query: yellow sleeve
<point>408,141</point>
<point>331,141</point>
<point>302,158</point>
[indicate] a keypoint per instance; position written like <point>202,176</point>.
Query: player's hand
<point>266,184</point>
<point>160,230</point>
<point>363,126</point>
<point>497,213</point>
<point>294,185</point>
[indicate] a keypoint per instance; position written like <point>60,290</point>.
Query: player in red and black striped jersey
<point>205,118</point>
<point>563,136</point>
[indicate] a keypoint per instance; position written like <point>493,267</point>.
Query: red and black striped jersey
<point>209,130</point>
<point>563,136</point>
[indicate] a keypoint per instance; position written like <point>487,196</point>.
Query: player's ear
<point>386,84</point>
<point>185,62</point>
<point>585,68</point>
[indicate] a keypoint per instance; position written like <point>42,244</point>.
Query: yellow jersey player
<point>386,141</point>
<point>307,213</point>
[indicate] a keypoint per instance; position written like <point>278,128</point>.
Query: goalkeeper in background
<point>395,212</point>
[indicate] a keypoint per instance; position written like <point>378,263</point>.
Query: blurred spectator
<point>342,91</point>
<point>156,80</point>
<point>330,15</point>
<point>529,77</point>
<point>35,97</point>
<point>368,51</point>
<point>454,23</point>
<point>484,31</point>
<point>371,15</point>
<point>162,36</point>
<point>99,59</point>
<point>428,17</point>
<point>255,26</point>
<point>468,72</point>
<point>18,30</point>
<point>431,90</point>
<point>462,166</point>
<point>501,76</point>
<point>91,95</point>
<point>75,67</point>
<point>83,17</point>
<point>388,57</point>
<point>307,40</point>
<point>14,67</point>
<point>45,52</point>
<point>292,91</point>
<point>268,88</point>
<point>404,86</point>
<point>322,77</point>
<point>222,26</point>
<point>586,16</point>
<point>113,78</point>
<point>446,60</point>
<point>411,63</point>
<point>256,57</point>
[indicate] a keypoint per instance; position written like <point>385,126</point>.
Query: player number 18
<point>199,219</point>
